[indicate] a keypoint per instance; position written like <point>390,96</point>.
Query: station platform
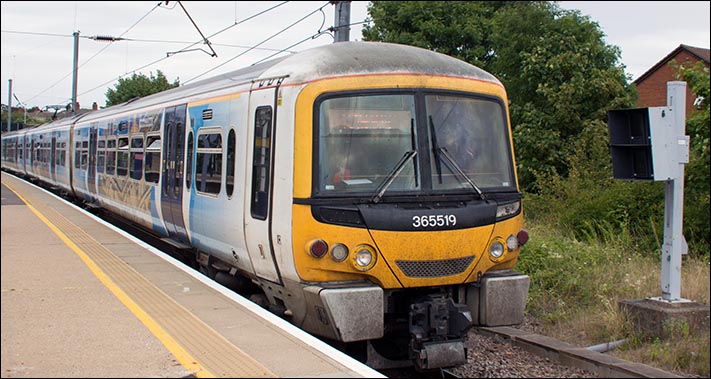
<point>81,298</point>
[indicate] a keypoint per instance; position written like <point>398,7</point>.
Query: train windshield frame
<point>374,144</point>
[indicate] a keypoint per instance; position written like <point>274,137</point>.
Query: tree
<point>560,76</point>
<point>138,85</point>
<point>697,221</point>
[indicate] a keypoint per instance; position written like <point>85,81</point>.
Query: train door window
<point>62,154</point>
<point>77,154</point>
<point>208,166</point>
<point>111,156</point>
<point>101,156</point>
<point>189,162</point>
<point>84,155</point>
<point>261,162</point>
<point>136,158</point>
<point>230,174</point>
<point>46,152</point>
<point>152,159</point>
<point>122,157</point>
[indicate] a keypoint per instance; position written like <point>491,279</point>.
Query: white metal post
<point>674,242</point>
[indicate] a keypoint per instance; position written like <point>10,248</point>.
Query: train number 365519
<point>433,221</point>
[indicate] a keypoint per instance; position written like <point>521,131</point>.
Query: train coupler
<point>436,355</point>
<point>438,329</point>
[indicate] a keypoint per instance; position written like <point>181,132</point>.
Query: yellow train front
<point>406,214</point>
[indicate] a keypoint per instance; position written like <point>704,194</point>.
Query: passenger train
<point>365,191</point>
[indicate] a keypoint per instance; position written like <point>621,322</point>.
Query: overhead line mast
<point>342,21</point>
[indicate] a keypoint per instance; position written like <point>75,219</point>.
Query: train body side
<point>246,171</point>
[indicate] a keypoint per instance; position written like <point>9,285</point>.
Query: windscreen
<point>411,143</point>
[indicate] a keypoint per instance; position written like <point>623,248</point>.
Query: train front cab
<point>400,233</point>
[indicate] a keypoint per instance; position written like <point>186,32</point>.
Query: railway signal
<point>650,144</point>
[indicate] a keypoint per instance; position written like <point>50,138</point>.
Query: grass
<point>576,286</point>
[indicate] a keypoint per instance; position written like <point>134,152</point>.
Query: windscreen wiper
<point>438,165</point>
<point>459,171</point>
<point>435,146</point>
<point>392,175</point>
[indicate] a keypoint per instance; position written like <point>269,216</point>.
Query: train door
<point>258,209</point>
<point>53,158</point>
<point>91,168</point>
<point>172,178</point>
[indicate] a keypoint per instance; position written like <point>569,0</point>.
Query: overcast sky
<point>37,43</point>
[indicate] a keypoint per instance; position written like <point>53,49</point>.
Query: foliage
<point>697,184</point>
<point>138,85</point>
<point>18,117</point>
<point>559,74</point>
<point>576,285</point>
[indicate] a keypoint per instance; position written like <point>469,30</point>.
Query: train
<point>365,191</point>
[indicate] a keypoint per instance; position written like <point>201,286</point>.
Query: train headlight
<point>512,243</point>
<point>496,250</point>
<point>318,248</point>
<point>364,258</point>
<point>339,252</point>
<point>507,210</point>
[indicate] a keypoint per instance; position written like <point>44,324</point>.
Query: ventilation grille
<point>207,114</point>
<point>434,269</point>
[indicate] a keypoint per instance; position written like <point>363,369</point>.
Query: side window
<point>230,174</point>
<point>189,162</point>
<point>152,161</point>
<point>261,162</point>
<point>136,162</point>
<point>111,156</point>
<point>208,165</point>
<point>122,157</point>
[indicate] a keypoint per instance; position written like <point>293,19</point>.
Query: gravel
<point>495,357</point>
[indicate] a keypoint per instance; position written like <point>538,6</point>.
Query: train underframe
<point>422,327</point>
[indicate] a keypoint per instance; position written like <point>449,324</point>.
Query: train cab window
<point>471,144</point>
<point>208,165</point>
<point>230,174</point>
<point>111,156</point>
<point>122,157</point>
<point>152,159</point>
<point>189,162</point>
<point>366,143</point>
<point>136,158</point>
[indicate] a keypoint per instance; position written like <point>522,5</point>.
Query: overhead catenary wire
<point>93,56</point>
<point>187,47</point>
<point>258,44</point>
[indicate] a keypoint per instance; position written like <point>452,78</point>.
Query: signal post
<point>650,144</point>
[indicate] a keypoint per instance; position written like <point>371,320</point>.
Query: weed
<point>579,277</point>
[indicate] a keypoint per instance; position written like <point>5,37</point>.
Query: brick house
<point>652,85</point>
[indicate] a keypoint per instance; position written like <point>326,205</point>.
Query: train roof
<point>332,60</point>
<point>361,58</point>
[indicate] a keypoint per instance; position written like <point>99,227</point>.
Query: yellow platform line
<point>219,357</point>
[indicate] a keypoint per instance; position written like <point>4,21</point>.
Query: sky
<point>38,43</point>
